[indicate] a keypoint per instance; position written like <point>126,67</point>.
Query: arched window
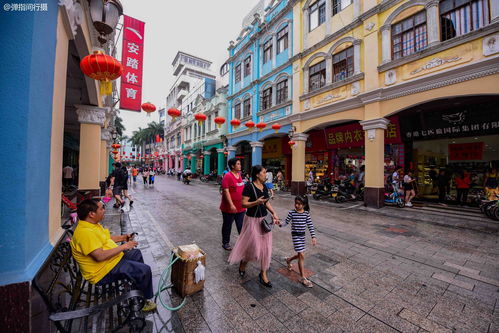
<point>237,109</point>
<point>282,39</point>
<point>267,51</point>
<point>409,35</point>
<point>246,106</point>
<point>316,14</point>
<point>317,76</point>
<point>343,66</point>
<point>237,73</point>
<point>266,99</point>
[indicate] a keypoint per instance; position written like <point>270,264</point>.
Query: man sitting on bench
<point>101,260</point>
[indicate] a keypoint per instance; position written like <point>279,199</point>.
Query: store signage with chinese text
<point>132,56</point>
<point>466,151</point>
<point>352,135</point>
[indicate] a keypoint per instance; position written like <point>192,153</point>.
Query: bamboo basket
<point>182,276</point>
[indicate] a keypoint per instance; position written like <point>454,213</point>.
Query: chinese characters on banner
<point>353,136</point>
<point>133,51</point>
<point>466,151</point>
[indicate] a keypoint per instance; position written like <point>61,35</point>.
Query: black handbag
<point>266,225</point>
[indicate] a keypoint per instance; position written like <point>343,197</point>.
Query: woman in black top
<point>254,244</point>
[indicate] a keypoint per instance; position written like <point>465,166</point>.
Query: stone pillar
<point>105,136</point>
<point>375,154</point>
<point>256,152</point>
<point>184,163</point>
<point>206,162</point>
<point>193,163</point>
<point>306,28</point>
<point>494,11</point>
<point>232,152</point>
<point>220,161</point>
<point>329,19</point>
<point>433,22</point>
<point>356,8</point>
<point>298,184</point>
<point>91,120</point>
<point>386,47</point>
<point>356,57</point>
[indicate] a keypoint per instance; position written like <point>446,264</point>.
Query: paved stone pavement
<point>371,272</point>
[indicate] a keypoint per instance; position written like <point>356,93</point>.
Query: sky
<point>199,27</point>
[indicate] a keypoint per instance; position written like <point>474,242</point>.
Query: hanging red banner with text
<point>132,56</point>
<point>466,151</point>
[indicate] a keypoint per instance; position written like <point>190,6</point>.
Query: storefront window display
<point>463,137</point>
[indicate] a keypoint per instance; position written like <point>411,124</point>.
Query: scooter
<point>394,198</point>
<point>322,191</point>
<point>345,192</point>
<point>186,179</point>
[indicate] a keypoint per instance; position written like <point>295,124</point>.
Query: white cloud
<point>199,27</point>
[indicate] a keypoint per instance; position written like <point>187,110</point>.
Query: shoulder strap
<point>256,197</point>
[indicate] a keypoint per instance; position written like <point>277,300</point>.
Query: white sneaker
<point>408,204</point>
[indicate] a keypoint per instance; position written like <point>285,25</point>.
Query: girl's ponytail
<point>304,200</point>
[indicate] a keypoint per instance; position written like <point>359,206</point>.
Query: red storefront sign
<point>349,136</point>
<point>132,56</point>
<point>466,151</point>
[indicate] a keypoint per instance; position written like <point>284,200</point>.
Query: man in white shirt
<point>67,175</point>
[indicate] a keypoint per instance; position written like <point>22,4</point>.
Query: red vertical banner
<point>132,57</point>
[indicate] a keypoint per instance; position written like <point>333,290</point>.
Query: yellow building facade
<point>361,62</point>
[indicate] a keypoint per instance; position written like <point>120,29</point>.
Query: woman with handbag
<point>255,241</point>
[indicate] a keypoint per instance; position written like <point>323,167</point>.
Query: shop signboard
<point>474,121</point>
<point>350,136</point>
<point>133,52</point>
<point>466,151</point>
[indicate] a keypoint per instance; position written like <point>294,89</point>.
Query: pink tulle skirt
<point>253,244</point>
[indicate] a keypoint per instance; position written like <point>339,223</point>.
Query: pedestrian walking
<point>255,241</point>
<point>145,175</point>
<point>152,174</point>
<point>118,181</point>
<point>462,181</point>
<point>125,187</point>
<point>269,179</point>
<point>443,186</point>
<point>135,172</point>
<point>409,183</point>
<point>300,219</point>
<point>231,205</point>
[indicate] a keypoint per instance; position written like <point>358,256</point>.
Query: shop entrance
<point>243,152</point>
<point>446,137</point>
<point>213,160</point>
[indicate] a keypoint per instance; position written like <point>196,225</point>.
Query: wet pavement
<point>389,271</point>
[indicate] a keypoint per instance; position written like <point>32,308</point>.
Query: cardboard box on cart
<point>183,276</point>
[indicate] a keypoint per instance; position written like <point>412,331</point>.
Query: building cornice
<point>275,107</point>
<point>334,85</point>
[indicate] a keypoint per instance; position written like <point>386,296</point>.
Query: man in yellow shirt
<point>101,260</point>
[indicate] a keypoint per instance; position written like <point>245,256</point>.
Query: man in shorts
<point>118,183</point>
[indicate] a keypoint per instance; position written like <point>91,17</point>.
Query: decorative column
<point>220,161</point>
<point>329,19</point>
<point>274,49</point>
<point>184,163</point>
<point>375,153</point>
<point>193,163</point>
<point>206,162</point>
<point>256,152</point>
<point>305,80</point>
<point>232,152</point>
<point>91,120</point>
<point>298,184</point>
<point>356,57</point>
<point>356,8</point>
<point>494,11</point>
<point>433,22</point>
<point>386,49</point>
<point>329,70</point>
<point>306,27</point>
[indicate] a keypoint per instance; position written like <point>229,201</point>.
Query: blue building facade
<point>260,81</point>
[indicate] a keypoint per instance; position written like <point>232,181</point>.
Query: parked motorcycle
<point>207,178</point>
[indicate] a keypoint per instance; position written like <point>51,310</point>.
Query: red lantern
<point>158,138</point>
<point>102,67</point>
<point>219,121</point>
<point>200,117</point>
<point>276,127</point>
<point>115,152</point>
<point>291,143</point>
<point>235,123</point>
<point>156,154</point>
<point>261,125</point>
<point>174,113</point>
<point>138,154</point>
<point>116,146</point>
<point>226,153</point>
<point>249,124</point>
<point>148,108</point>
